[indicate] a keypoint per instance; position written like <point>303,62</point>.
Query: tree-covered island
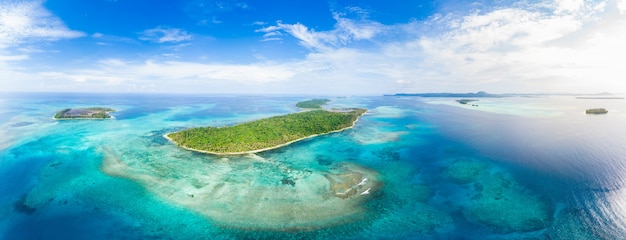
<point>265,134</point>
<point>314,103</point>
<point>84,113</point>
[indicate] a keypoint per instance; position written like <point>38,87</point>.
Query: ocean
<point>412,168</point>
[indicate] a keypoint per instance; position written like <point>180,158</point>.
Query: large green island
<point>84,113</point>
<point>265,134</point>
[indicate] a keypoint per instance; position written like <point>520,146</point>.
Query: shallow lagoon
<point>433,171</point>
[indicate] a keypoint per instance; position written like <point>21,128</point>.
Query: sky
<point>313,46</point>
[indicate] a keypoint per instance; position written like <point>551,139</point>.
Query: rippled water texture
<point>411,168</point>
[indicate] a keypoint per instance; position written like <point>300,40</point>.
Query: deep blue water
<point>511,168</point>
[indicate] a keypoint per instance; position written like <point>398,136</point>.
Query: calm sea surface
<point>411,168</point>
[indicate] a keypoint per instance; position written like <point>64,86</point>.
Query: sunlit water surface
<point>411,168</point>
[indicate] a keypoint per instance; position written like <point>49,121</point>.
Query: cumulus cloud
<point>566,45</point>
<point>515,49</point>
<point>621,5</point>
<point>556,46</point>
<point>251,73</point>
<point>345,31</point>
<point>84,76</point>
<point>6,58</point>
<point>22,21</point>
<point>118,71</point>
<point>165,35</point>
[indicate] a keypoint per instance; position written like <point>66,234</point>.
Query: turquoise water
<point>411,168</point>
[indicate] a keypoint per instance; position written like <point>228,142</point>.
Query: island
<point>596,111</point>
<point>314,103</point>
<point>265,134</point>
<point>599,98</point>
<point>84,113</point>
<point>466,101</point>
<point>602,95</point>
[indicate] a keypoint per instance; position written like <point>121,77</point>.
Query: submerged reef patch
<point>417,220</point>
<point>498,200</point>
<point>22,207</point>
<point>252,192</point>
<point>466,171</point>
<point>372,135</point>
<point>570,225</point>
<point>388,112</point>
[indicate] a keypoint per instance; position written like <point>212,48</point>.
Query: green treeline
<point>314,103</point>
<point>265,133</point>
<point>100,109</point>
<point>60,114</point>
<point>100,115</point>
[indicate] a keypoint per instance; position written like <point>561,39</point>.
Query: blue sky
<point>312,47</point>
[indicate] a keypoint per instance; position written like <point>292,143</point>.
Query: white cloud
<point>567,45</point>
<point>112,62</point>
<point>107,40</point>
<point>514,49</point>
<point>119,75</point>
<point>360,12</point>
<point>569,5</point>
<point>311,39</point>
<point>564,46</point>
<point>270,35</point>
<point>85,76</point>
<point>345,31</point>
<point>621,6</point>
<point>165,35</point>
<point>6,58</point>
<point>269,29</point>
<point>506,29</point>
<point>29,21</point>
<point>10,70</point>
<point>173,70</point>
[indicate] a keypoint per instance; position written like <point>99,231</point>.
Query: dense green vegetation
<point>265,133</point>
<point>314,103</point>
<point>84,113</point>
<point>60,114</point>
<point>100,109</point>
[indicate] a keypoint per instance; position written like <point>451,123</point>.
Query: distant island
<point>84,113</point>
<point>596,111</point>
<point>314,103</point>
<point>599,98</point>
<point>480,94</point>
<point>466,101</point>
<point>265,134</point>
<point>483,94</point>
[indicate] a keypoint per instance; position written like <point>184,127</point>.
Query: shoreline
<point>262,149</point>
